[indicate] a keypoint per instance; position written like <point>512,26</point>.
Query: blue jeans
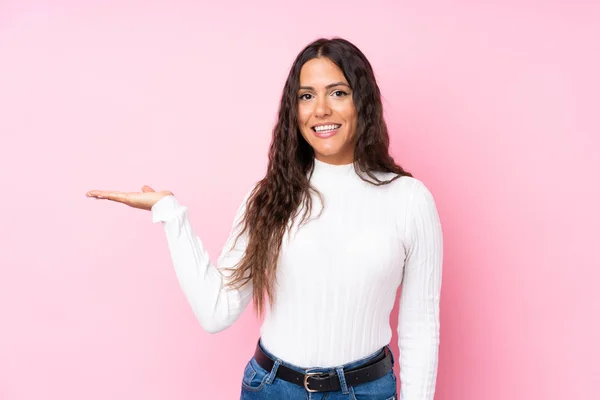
<point>259,384</point>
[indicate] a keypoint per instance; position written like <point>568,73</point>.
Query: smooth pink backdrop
<point>495,107</point>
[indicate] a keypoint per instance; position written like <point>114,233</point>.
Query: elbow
<point>424,342</point>
<point>212,329</point>
<point>423,337</point>
<point>211,324</point>
<point>215,316</point>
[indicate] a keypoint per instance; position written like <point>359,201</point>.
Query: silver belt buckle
<point>308,375</point>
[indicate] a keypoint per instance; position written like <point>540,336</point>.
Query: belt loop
<point>342,378</point>
<point>391,354</point>
<point>271,376</point>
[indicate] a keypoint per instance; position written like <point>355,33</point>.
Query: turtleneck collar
<point>322,167</point>
<point>327,177</point>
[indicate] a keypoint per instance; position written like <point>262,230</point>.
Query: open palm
<point>143,200</point>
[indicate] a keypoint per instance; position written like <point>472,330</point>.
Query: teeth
<point>323,128</point>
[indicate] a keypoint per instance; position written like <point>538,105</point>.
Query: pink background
<point>495,107</point>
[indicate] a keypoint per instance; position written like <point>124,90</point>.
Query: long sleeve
<point>419,320</point>
<point>203,283</point>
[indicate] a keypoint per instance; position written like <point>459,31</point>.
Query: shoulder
<point>404,188</point>
<point>408,198</point>
<point>418,196</point>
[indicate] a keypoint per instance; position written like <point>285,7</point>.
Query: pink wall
<point>494,107</point>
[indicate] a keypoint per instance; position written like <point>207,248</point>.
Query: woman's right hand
<point>143,200</point>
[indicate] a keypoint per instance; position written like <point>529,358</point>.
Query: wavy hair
<point>276,199</point>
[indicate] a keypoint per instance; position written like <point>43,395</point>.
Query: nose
<point>322,108</point>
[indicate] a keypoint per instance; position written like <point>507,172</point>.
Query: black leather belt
<point>328,381</point>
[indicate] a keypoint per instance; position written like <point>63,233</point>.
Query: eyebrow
<point>326,87</point>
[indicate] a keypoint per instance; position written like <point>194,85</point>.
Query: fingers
<point>93,193</point>
<point>116,196</point>
<point>109,195</point>
<point>115,193</point>
<point>98,193</point>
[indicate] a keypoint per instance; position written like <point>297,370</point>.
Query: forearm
<point>215,306</point>
<point>418,342</point>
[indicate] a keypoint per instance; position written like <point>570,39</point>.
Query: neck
<point>336,159</point>
<point>326,169</point>
<point>333,164</point>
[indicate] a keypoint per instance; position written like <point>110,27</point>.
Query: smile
<point>325,131</point>
<point>326,128</point>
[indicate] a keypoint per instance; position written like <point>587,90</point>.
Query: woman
<point>320,245</point>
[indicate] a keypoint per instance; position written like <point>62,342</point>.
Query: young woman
<point>321,245</point>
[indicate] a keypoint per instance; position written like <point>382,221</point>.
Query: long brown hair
<point>276,199</point>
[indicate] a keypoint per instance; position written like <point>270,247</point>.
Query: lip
<point>324,123</point>
<point>326,135</point>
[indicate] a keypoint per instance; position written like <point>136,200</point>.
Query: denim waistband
<point>345,367</point>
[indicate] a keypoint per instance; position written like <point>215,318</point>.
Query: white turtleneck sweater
<point>337,276</point>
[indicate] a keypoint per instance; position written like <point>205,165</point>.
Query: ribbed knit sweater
<point>337,276</point>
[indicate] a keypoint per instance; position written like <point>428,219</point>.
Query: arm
<point>419,318</point>
<point>215,306</point>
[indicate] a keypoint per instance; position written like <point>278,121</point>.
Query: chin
<point>327,153</point>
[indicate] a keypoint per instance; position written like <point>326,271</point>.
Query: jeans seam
<point>254,389</point>
<point>251,388</point>
<point>352,395</point>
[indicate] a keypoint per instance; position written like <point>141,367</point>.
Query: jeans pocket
<point>383,388</point>
<point>254,377</point>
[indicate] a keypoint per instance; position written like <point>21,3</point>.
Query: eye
<point>303,96</point>
<point>339,93</point>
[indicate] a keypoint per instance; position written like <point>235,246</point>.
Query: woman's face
<point>326,114</point>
